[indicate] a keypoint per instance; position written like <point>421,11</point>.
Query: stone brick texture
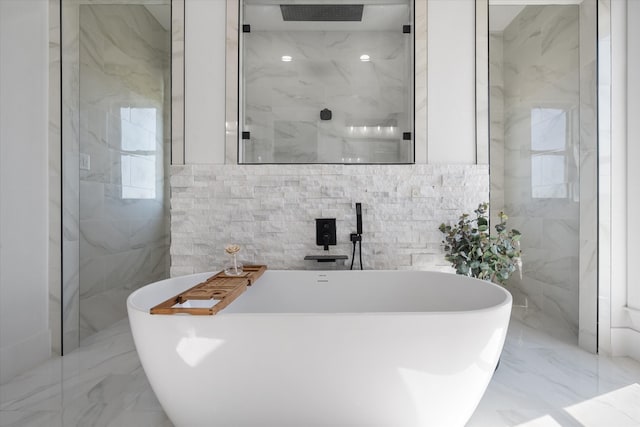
<point>270,210</point>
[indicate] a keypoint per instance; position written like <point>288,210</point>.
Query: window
<point>139,137</point>
<point>550,138</point>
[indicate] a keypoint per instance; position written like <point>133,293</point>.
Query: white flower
<point>232,249</point>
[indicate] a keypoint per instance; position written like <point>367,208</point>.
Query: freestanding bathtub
<point>330,348</point>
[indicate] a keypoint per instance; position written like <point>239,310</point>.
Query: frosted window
<point>138,177</point>
<point>549,142</point>
<point>548,173</point>
<point>548,129</point>
<point>139,139</point>
<point>138,126</point>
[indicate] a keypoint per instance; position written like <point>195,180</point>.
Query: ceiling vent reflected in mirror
<point>321,12</point>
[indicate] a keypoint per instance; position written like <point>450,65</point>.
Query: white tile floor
<point>543,380</point>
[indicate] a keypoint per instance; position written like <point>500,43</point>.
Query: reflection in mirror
<point>326,83</point>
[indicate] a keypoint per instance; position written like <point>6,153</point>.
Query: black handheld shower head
<point>358,218</point>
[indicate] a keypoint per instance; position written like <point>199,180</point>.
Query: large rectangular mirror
<point>326,83</point>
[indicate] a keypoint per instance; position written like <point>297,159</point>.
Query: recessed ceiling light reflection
<point>365,58</point>
<point>286,58</point>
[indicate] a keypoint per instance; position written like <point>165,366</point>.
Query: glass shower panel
<point>326,83</point>
<point>122,102</point>
<point>535,118</point>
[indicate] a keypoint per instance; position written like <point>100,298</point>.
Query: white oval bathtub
<point>331,348</point>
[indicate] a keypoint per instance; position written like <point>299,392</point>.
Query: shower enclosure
<point>326,83</point>
<point>116,140</point>
<point>542,69</point>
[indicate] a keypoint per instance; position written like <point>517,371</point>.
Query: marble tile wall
<point>543,117</point>
<point>270,211</point>
<point>124,132</point>
<point>370,101</point>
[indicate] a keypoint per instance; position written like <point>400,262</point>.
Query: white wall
<point>450,85</point>
<point>451,81</point>
<point>633,150</point>
<point>24,334</point>
<point>205,46</point>
<point>625,199</point>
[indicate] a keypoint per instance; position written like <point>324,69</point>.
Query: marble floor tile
<point>543,379</point>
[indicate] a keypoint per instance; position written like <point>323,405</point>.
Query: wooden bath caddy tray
<point>219,287</point>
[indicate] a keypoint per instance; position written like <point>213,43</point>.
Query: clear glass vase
<point>233,266</point>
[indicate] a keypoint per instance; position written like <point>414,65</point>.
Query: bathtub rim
<point>132,305</point>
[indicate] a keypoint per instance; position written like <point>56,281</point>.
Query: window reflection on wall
<point>138,158</point>
<point>550,139</point>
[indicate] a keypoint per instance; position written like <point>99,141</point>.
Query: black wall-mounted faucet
<point>326,232</point>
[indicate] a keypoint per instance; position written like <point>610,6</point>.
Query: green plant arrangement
<point>474,251</point>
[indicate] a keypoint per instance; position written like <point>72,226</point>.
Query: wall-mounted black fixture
<point>326,232</point>
<point>325,114</point>
<point>246,28</point>
<point>246,135</point>
<point>356,238</point>
<point>406,136</point>
<point>325,258</point>
<point>406,29</point>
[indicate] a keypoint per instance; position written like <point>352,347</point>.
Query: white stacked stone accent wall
<point>270,210</point>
